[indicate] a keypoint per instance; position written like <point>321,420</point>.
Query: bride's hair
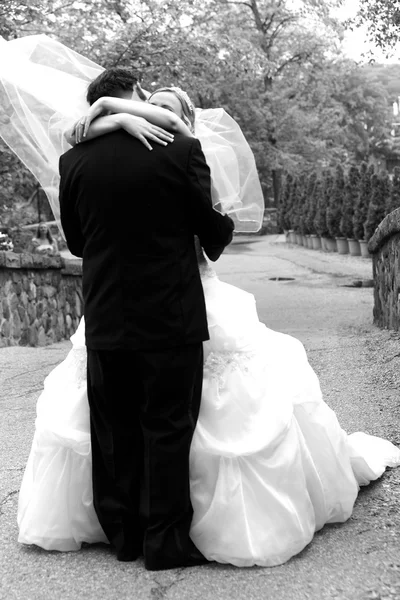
<point>188,108</point>
<point>111,82</point>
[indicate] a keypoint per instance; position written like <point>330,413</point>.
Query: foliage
<point>362,203</point>
<point>283,217</point>
<point>311,202</point>
<point>274,65</point>
<point>16,185</point>
<point>383,20</point>
<point>394,196</point>
<point>376,207</point>
<point>350,200</point>
<point>335,203</point>
<point>6,244</point>
<point>320,216</point>
<point>302,205</point>
<point>293,203</point>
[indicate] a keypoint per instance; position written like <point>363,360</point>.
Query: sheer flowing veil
<point>42,92</point>
<point>234,174</point>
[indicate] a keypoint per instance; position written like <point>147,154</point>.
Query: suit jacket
<point>132,215</point>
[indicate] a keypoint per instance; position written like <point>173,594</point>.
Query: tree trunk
<point>276,185</point>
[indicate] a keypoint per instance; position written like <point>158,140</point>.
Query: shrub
<point>376,207</point>
<point>322,201</point>
<point>335,203</point>
<point>311,207</point>
<point>361,206</point>
<point>350,199</point>
<point>293,201</point>
<point>302,204</point>
<point>283,217</point>
<point>394,196</point>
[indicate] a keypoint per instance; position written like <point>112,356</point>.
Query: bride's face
<point>168,101</point>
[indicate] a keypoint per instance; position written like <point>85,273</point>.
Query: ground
<point>358,366</point>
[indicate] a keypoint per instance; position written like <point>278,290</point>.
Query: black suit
<point>132,215</point>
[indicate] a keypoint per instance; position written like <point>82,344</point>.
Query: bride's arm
<point>90,126</point>
<point>155,114</point>
<point>135,126</point>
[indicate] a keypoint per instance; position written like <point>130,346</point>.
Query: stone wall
<point>385,248</point>
<point>40,299</point>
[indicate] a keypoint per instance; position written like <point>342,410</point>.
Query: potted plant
<point>329,242</point>
<point>283,213</point>
<point>302,210</point>
<point>362,201</point>
<point>309,209</point>
<point>376,209</point>
<point>393,200</point>
<point>315,193</point>
<point>334,211</point>
<point>320,214</point>
<point>349,202</point>
<point>293,210</point>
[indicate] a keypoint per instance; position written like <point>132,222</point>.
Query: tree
<point>322,203</point>
<point>271,64</point>
<point>17,186</point>
<point>376,207</point>
<point>335,203</point>
<point>294,204</point>
<point>349,202</point>
<point>312,194</point>
<point>283,217</point>
<point>383,20</point>
<point>394,196</point>
<point>302,204</point>
<point>363,198</point>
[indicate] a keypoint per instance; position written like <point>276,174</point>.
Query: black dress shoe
<point>127,556</point>
<point>193,559</point>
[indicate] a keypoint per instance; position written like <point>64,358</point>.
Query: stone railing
<point>385,248</point>
<point>40,299</point>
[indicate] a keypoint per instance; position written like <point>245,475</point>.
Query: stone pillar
<point>40,299</point>
<point>385,249</point>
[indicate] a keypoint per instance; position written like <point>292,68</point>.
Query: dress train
<point>270,464</point>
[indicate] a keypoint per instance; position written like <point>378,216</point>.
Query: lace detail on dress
<point>77,359</point>
<point>218,364</point>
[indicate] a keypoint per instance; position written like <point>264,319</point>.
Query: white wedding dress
<point>270,464</point>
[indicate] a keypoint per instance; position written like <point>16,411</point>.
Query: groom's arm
<point>69,217</point>
<point>214,230</point>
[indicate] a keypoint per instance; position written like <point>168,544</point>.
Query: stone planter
<point>342,245</point>
<point>354,247</point>
<point>305,240</point>
<point>309,241</point>
<point>292,236</point>
<point>315,241</point>
<point>364,249</point>
<point>299,239</point>
<point>330,244</point>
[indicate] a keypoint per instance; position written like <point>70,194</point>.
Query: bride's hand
<point>82,125</point>
<point>143,130</point>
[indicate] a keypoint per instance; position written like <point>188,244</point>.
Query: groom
<point>132,215</point>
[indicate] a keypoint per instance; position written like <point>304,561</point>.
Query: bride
<point>270,464</point>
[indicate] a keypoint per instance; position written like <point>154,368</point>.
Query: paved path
<point>358,367</point>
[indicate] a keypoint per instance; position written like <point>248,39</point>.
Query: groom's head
<point>119,82</point>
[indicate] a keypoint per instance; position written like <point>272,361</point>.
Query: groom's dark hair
<point>112,82</point>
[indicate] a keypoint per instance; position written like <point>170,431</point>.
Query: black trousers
<point>143,410</point>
